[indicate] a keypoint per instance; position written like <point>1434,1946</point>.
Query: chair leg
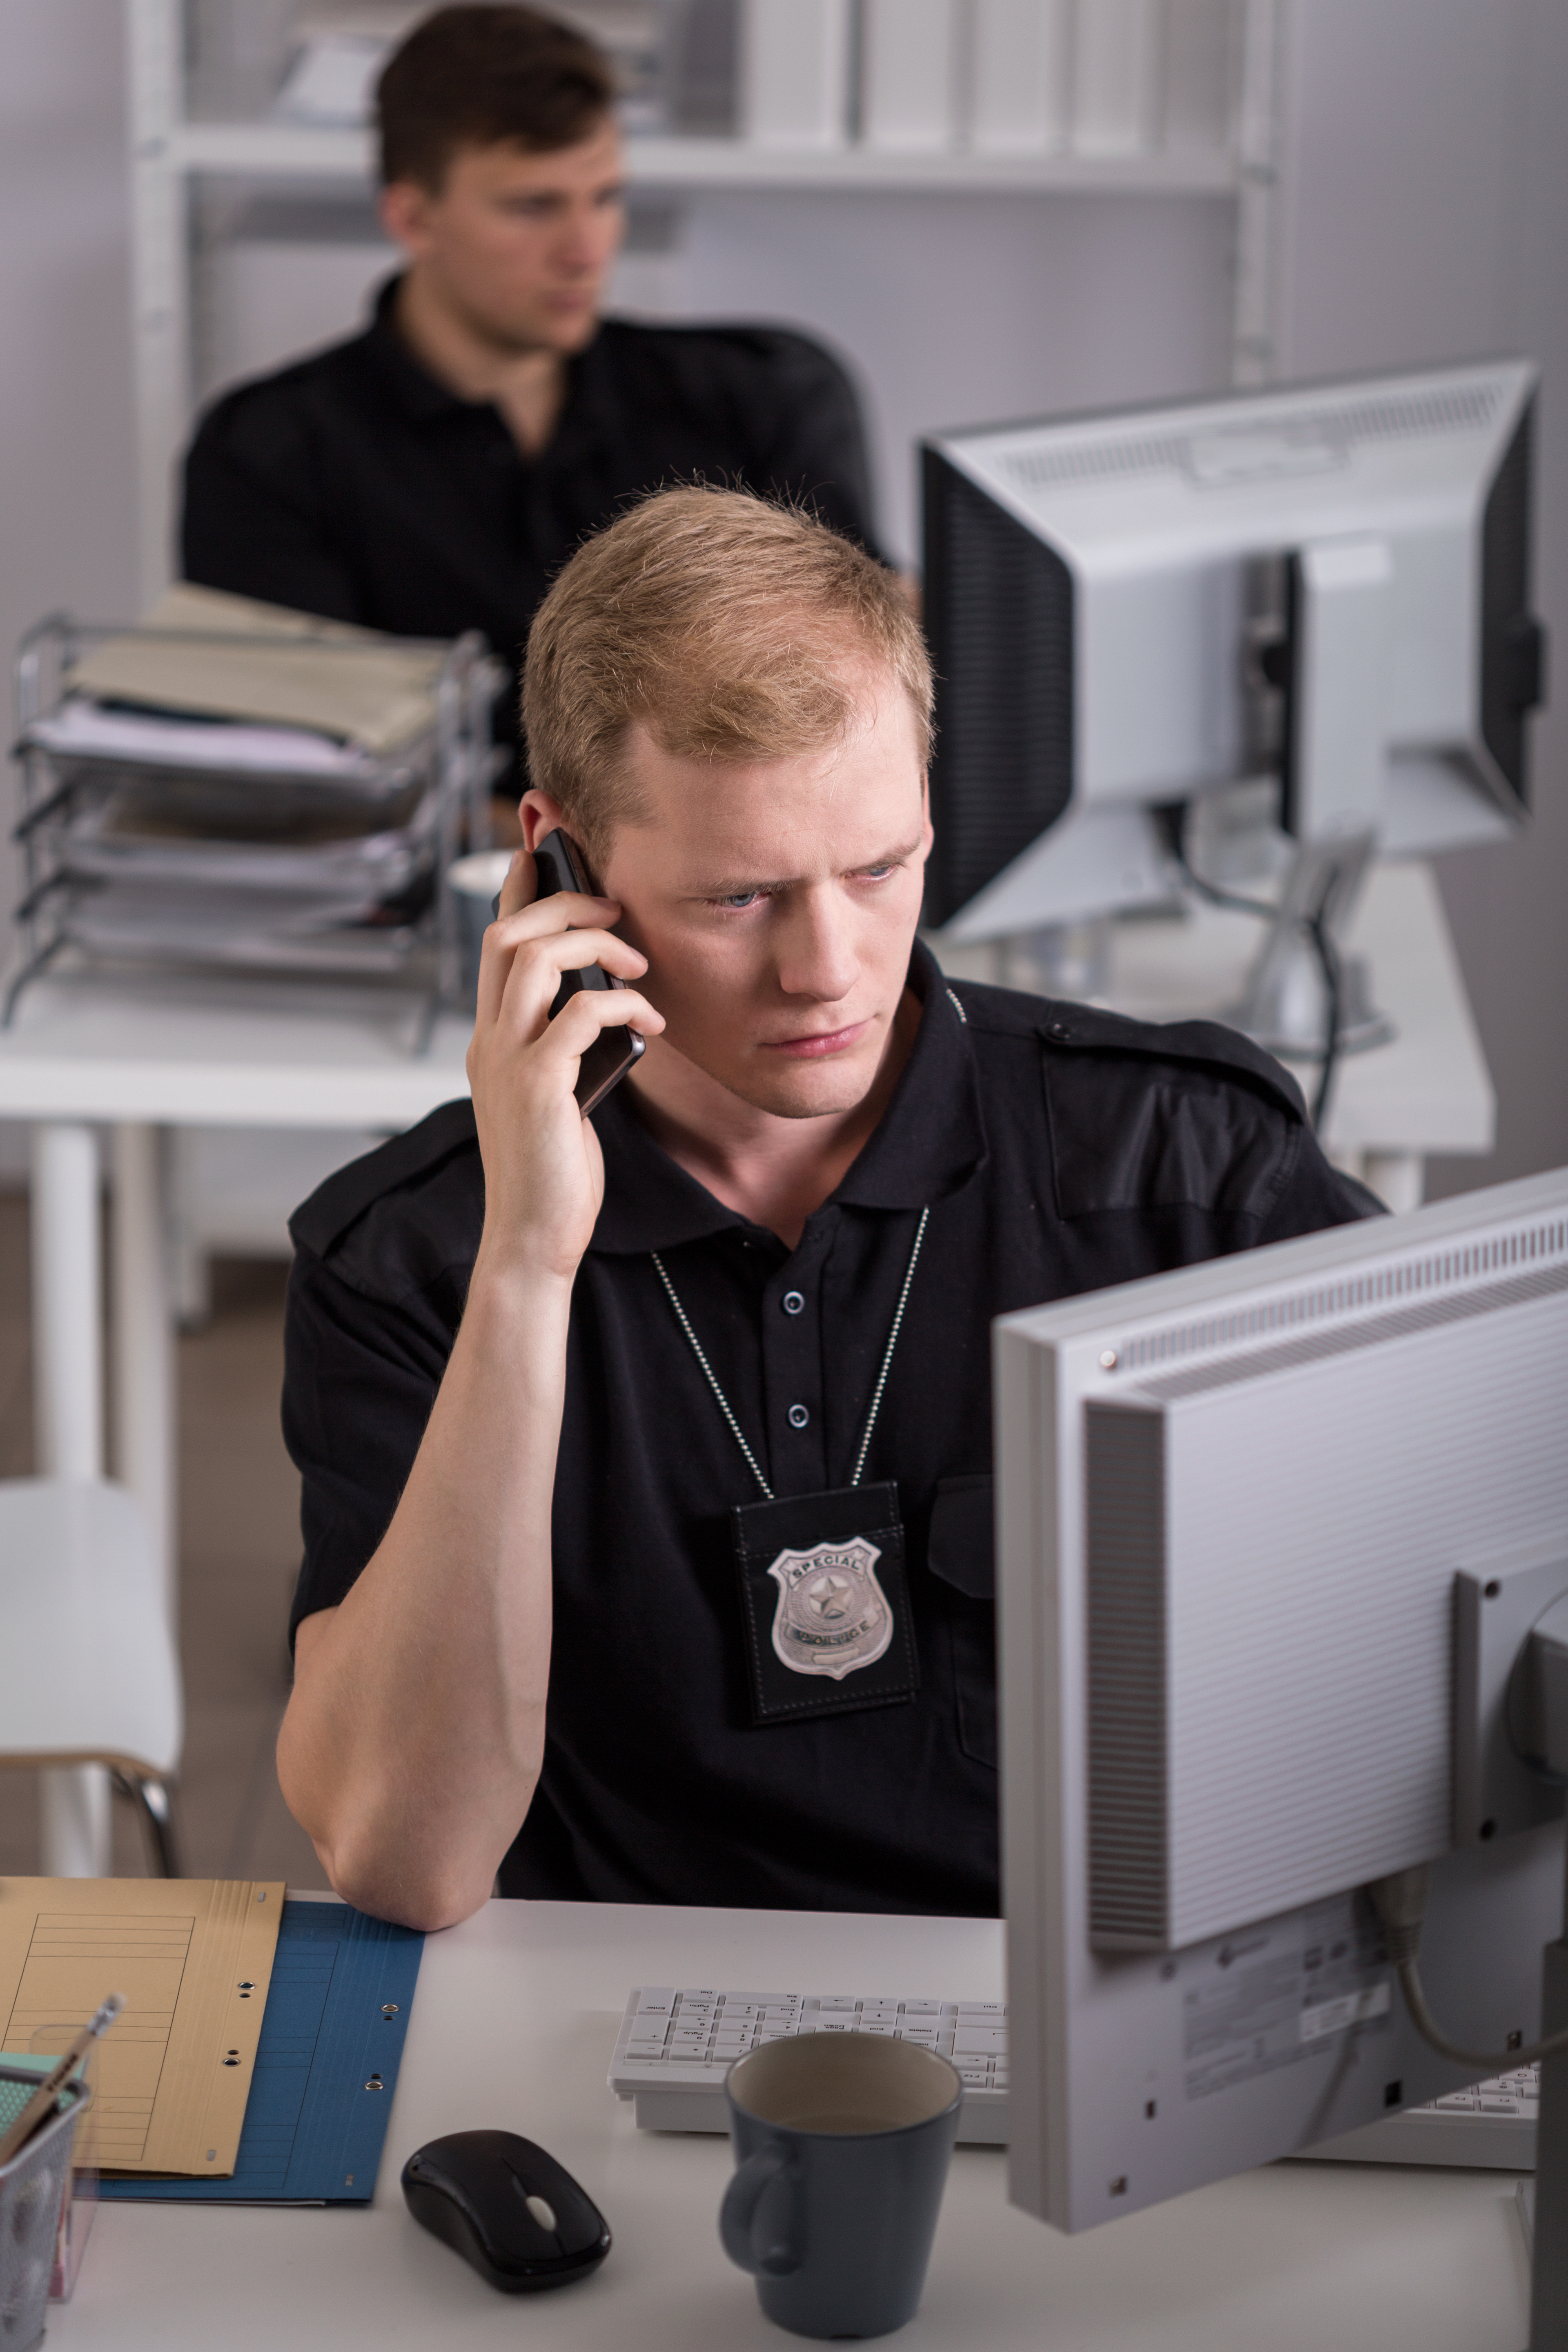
<point>153,1802</point>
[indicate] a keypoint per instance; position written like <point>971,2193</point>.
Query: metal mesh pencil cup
<point>32,2192</point>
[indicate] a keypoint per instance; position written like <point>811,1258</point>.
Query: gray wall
<point>1424,199</point>
<point>1427,207</point>
<point>66,521</point>
<point>66,478</point>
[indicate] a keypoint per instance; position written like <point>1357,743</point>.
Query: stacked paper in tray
<point>229,658</point>
<point>242,784</point>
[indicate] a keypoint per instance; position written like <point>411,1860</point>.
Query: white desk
<point>140,1058</point>
<point>513,2026</point>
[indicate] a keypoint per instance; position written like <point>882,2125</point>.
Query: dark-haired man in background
<point>433,474</point>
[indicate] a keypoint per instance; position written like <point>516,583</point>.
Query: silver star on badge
<point>826,1597</point>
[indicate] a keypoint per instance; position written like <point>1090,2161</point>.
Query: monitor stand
<point>1284,1005</point>
<point>1549,2218</point>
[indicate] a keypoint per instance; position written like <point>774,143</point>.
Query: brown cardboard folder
<point>193,1958</point>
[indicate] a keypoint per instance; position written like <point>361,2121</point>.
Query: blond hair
<point>734,630</point>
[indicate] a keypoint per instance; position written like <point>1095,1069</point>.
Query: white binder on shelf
<point>1018,76</point>
<point>1115,72</point>
<point>909,75</point>
<point>795,72</point>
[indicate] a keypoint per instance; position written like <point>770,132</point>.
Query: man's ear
<point>403,209</point>
<point>540,813</point>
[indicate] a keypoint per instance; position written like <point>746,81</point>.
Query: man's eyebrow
<point>731,886</point>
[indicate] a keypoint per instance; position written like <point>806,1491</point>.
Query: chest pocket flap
<point>963,1549</point>
<point>963,1553</point>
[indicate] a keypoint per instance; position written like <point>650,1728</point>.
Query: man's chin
<point>791,1090</point>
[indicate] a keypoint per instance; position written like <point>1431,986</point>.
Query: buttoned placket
<point>792,1398</point>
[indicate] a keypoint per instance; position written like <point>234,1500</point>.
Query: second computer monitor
<point>1321,589</point>
<point>1272,1532</point>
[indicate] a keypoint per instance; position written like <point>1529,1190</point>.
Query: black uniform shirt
<point>355,485</point>
<point>1059,1150</point>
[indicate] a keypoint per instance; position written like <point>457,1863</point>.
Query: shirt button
<point>792,1302</point>
<point>798,1416</point>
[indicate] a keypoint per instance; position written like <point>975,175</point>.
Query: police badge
<point>825,1608</point>
<point>833,1615</point>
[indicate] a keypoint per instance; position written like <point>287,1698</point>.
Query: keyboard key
<point>977,2042</point>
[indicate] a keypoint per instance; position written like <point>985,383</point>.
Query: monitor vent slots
<point>1128,1793</point>
<point>1431,1315</point>
<point>1438,1270</point>
<point>1413,416</point>
<point>999,617</point>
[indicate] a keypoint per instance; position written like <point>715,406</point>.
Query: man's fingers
<point>523,971</point>
<point>562,910</point>
<point>582,1016</point>
<point>521,886</point>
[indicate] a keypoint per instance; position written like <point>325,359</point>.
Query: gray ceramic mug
<point>842,2142</point>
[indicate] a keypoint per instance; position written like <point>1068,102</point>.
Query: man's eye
<point>738,899</point>
<point>875,873</point>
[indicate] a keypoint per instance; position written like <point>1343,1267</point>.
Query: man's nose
<point>818,958</point>
<point>585,243</point>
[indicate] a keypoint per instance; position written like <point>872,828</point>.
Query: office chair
<point>89,1670</point>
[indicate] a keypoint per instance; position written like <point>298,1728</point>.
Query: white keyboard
<point>1489,2125</point>
<point>678,2042</point>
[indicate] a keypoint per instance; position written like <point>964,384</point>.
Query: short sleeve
<point>253,522</point>
<point>360,1380</point>
<point>1315,1195</point>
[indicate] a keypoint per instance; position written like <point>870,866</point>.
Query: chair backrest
<point>88,1669</point>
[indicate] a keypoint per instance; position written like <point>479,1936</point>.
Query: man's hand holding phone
<point>545,1176</point>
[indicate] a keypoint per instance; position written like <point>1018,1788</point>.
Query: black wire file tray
<point>231,786</point>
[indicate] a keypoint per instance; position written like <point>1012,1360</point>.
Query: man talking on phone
<point>647,1453</point>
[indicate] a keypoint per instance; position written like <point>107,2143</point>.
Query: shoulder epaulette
<point>1088,1028</point>
<point>334,1207</point>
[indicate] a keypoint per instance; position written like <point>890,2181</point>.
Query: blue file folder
<point>332,2037</point>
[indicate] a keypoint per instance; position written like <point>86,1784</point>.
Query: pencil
<point>41,2104</point>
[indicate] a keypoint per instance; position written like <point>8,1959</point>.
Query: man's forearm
<point>413,1741</point>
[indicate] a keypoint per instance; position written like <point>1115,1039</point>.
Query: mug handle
<point>740,2212</point>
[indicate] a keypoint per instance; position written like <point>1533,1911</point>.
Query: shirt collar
<point>590,392</point>
<point>928,1144</point>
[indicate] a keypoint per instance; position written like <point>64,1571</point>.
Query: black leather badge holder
<point>827,1613</point>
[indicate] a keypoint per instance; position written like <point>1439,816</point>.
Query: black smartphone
<point>560,866</point>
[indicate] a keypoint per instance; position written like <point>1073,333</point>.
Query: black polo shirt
<point>1058,1150</point>
<point>355,485</point>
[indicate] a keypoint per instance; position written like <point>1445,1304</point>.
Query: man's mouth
<point>817,1046</point>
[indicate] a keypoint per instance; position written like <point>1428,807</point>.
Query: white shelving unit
<point>1119,118</point>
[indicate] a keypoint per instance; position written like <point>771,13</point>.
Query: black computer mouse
<point>510,2209</point>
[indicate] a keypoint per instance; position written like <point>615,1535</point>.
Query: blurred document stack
<point>233,784</point>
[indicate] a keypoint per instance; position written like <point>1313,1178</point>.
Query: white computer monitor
<point>1272,1532</point>
<point>1326,586</point>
